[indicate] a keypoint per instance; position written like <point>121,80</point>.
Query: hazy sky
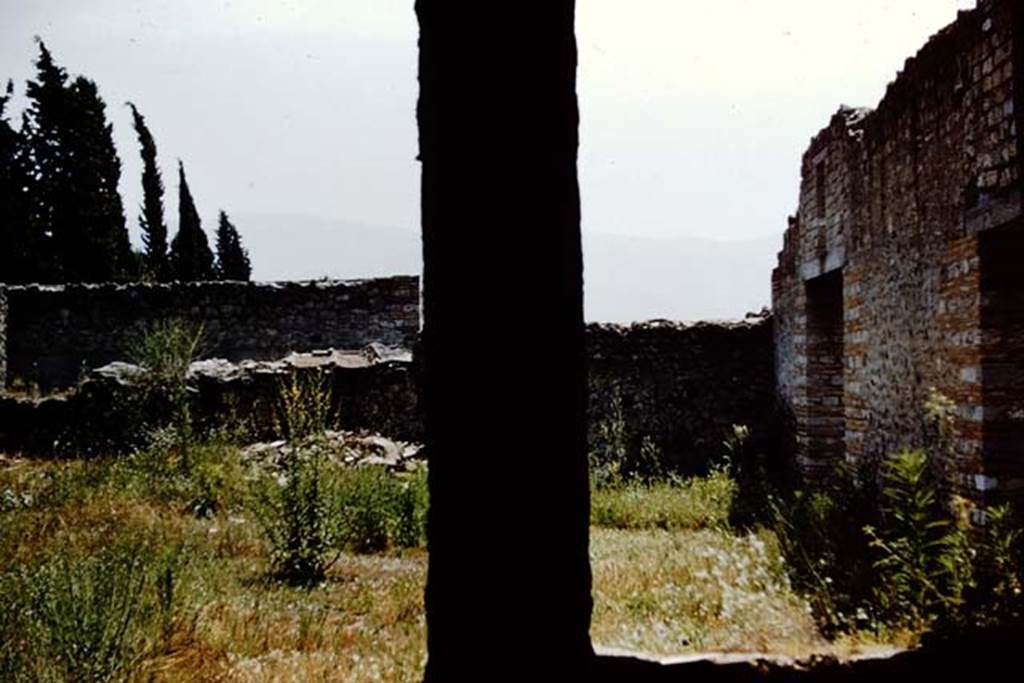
<point>694,114</point>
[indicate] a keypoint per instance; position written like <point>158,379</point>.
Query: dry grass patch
<point>671,592</point>
<point>225,620</point>
<point>366,623</point>
<point>676,580</point>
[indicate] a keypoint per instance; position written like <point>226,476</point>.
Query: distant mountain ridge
<point>626,278</point>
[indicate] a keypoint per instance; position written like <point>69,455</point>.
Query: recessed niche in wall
<point>1002,368</point>
<point>826,423</point>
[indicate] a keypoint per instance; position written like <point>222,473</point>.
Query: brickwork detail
<point>900,202</point>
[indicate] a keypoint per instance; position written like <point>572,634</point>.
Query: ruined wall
<point>53,331</point>
<point>894,204</point>
<point>109,412</point>
<point>684,386</point>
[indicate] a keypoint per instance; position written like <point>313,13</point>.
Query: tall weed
<point>923,559</point>
<point>314,510</point>
<point>617,458</point>
<point>166,350</point>
<point>298,512</point>
<point>304,405</point>
<point>82,618</point>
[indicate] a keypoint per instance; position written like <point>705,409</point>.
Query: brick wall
<point>897,202</point>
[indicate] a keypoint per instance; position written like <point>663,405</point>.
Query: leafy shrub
<point>298,513</point>
<point>995,596</point>
<point>891,557</point>
<point>821,534</point>
<point>378,510</point>
<point>923,561</point>
<point>614,457</point>
<point>314,510</point>
<point>166,350</point>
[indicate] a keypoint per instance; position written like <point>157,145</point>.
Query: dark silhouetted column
<point>508,589</point>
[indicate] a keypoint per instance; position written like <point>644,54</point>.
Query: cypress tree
<point>74,206</point>
<point>151,220</point>
<point>97,247</point>
<point>44,131</point>
<point>232,258</point>
<point>16,253</point>
<point>190,257</point>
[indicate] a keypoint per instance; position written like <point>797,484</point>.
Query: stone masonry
<point>683,386</point>
<point>54,332</point>
<point>902,269</point>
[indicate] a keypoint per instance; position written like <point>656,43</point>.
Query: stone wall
<point>110,411</point>
<point>55,331</point>
<point>684,386</point>
<point>885,287</point>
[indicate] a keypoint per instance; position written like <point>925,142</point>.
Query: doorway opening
<point>826,424</point>
<point>1002,367</point>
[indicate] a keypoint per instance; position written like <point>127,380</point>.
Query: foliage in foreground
<point>923,559</point>
<point>894,559</point>
<point>88,617</point>
<point>312,511</point>
<point>875,552</point>
<point>106,570</point>
<point>97,586</point>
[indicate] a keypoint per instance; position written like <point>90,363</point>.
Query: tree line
<point>61,216</point>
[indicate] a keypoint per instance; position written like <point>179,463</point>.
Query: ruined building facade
<point>903,269</point>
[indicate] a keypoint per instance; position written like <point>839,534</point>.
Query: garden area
<point>196,555</point>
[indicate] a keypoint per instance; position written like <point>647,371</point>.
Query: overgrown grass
<point>875,551</point>
<point>210,609</point>
<point>107,566</point>
<point>694,503</point>
<point>668,592</point>
<point>159,567</point>
<point>78,618</point>
<point>313,511</point>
